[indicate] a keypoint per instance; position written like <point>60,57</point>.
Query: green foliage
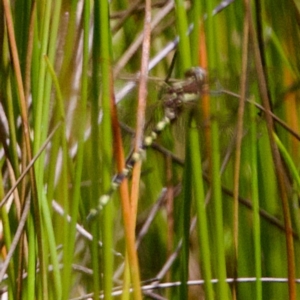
<point>218,209</point>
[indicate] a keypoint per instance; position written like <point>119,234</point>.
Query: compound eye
<point>197,72</point>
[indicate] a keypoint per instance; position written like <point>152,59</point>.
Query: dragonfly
<point>174,96</point>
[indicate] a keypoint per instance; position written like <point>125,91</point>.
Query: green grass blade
<point>198,187</point>
<point>184,43</point>
<point>106,136</point>
<point>255,201</point>
<point>95,152</point>
<point>211,30</point>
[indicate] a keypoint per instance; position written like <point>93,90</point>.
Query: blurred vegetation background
<point>211,211</point>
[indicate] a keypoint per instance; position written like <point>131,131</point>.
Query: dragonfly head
<point>198,74</point>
